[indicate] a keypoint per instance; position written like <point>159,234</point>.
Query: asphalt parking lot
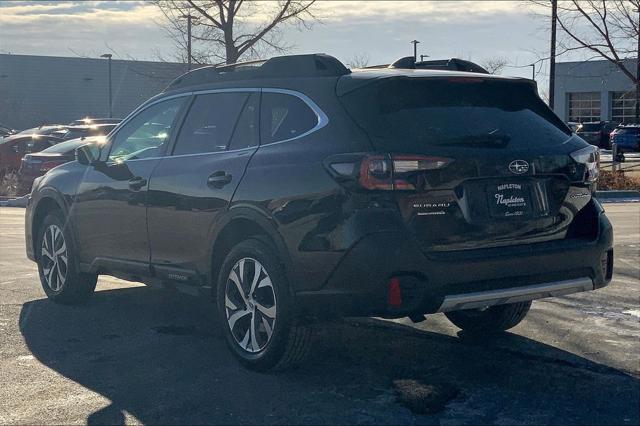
<point>139,355</point>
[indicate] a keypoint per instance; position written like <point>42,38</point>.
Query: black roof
<point>312,65</point>
<point>322,65</point>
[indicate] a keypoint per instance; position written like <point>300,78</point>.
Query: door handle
<point>137,182</point>
<point>219,179</point>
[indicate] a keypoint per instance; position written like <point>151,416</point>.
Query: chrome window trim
<point>323,119</point>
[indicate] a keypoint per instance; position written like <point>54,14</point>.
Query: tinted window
<point>247,132</point>
<point>627,131</point>
<point>146,134</point>
<point>210,123</point>
<point>285,117</point>
<point>411,114</point>
<point>590,127</point>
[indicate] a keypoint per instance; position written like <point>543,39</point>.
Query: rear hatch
<point>476,161</point>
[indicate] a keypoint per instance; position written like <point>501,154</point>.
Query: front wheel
<point>493,319</point>
<point>57,267</point>
<point>256,309</point>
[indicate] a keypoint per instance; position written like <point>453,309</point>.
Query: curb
<point>15,202</point>
<point>618,196</point>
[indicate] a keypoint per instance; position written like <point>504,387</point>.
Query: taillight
<point>386,172</point>
<point>589,157</point>
<point>48,165</point>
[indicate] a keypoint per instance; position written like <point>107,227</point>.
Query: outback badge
<point>518,167</point>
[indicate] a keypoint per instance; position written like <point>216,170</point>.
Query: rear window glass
<point>410,114</point>
<point>64,147</point>
<point>590,127</point>
<point>627,131</point>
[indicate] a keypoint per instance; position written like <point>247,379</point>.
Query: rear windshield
<point>627,131</point>
<point>590,127</point>
<point>64,147</point>
<point>410,114</point>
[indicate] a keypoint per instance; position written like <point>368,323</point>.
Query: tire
<point>270,306</point>
<point>57,267</point>
<point>491,320</point>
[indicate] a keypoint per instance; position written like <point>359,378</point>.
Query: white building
<point>594,91</point>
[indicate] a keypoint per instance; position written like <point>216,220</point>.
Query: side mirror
<point>88,154</point>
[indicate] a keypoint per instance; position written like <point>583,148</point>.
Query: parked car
<point>90,120</point>
<point>297,190</point>
<point>6,131</point>
<point>574,126</point>
<point>627,138</point>
<point>38,163</point>
<point>14,147</point>
<point>74,132</point>
<point>43,130</point>
<point>597,133</point>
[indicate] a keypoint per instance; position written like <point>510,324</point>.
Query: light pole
<point>422,57</point>
<point>638,74</point>
<point>552,56</point>
<point>415,50</point>
<point>188,17</point>
<point>108,56</point>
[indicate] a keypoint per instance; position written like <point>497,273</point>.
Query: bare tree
<point>359,60</point>
<point>607,28</point>
<point>494,65</point>
<point>228,30</point>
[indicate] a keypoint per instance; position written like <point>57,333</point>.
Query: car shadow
<point>160,357</point>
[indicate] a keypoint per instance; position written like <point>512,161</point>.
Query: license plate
<point>509,200</point>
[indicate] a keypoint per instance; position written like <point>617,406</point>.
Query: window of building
<point>584,107</point>
<point>623,107</point>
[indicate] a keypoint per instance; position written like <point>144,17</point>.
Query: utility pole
<point>552,56</point>
<point>415,50</point>
<point>188,17</point>
<point>533,72</point>
<point>108,56</point>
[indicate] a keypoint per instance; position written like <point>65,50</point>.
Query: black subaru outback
<point>295,189</point>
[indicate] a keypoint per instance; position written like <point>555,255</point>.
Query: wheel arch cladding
<point>44,207</point>
<point>239,229</point>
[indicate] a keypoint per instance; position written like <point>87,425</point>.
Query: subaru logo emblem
<point>518,167</point>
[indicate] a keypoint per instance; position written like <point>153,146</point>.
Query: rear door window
<point>284,117</point>
<point>210,123</point>
<point>247,131</point>
<point>412,114</point>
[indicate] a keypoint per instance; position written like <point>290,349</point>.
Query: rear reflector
<point>395,293</point>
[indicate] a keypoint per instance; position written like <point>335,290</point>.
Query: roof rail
<point>311,65</point>
<point>454,64</point>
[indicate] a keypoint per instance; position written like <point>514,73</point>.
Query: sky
<point>379,30</point>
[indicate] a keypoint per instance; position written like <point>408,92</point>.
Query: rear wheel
<point>57,267</point>
<point>493,319</point>
<point>256,309</point>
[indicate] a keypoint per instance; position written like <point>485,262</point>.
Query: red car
<point>39,163</point>
<point>14,147</point>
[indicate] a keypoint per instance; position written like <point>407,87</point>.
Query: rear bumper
<point>435,282</point>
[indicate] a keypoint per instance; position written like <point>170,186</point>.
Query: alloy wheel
<point>54,258</point>
<point>250,305</point>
